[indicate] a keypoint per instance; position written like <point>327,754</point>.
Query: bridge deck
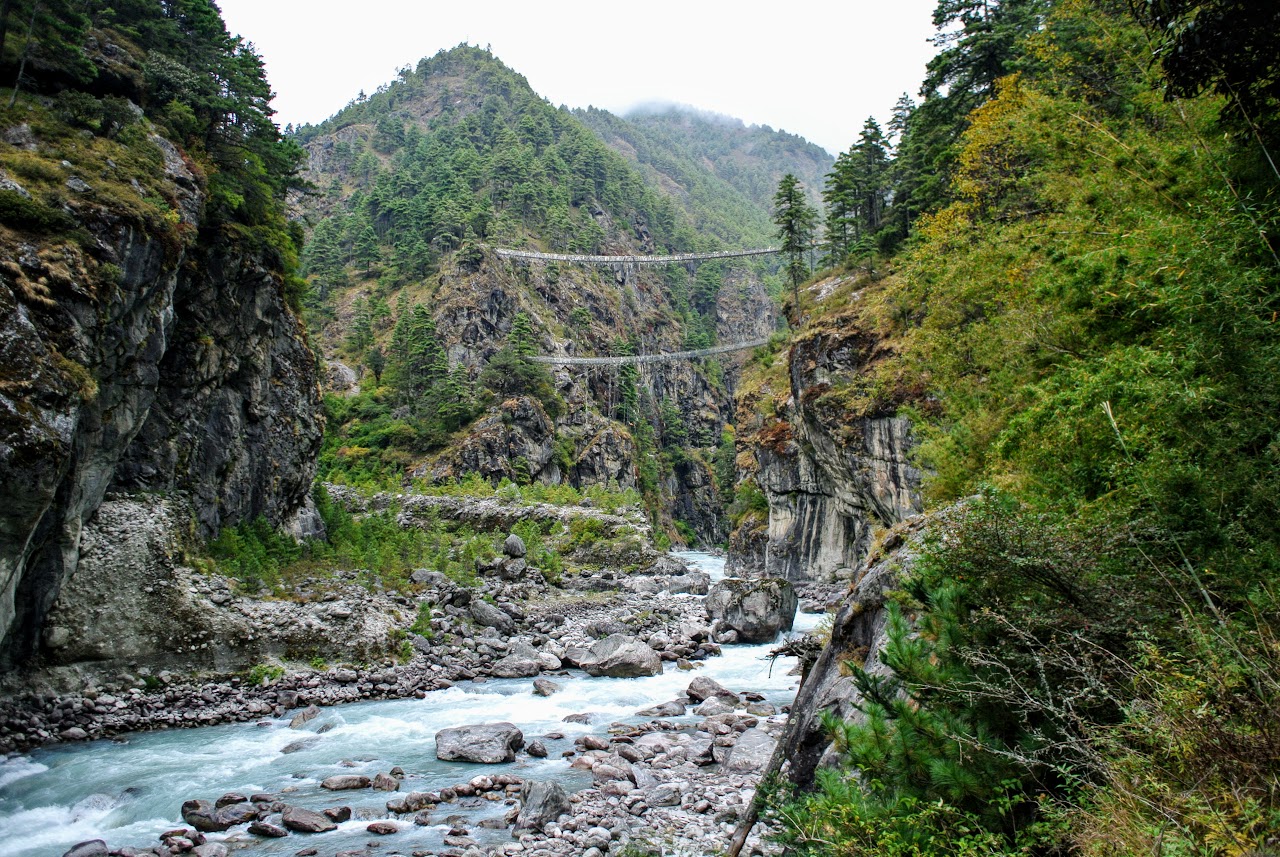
<point>630,260</point>
<point>650,358</point>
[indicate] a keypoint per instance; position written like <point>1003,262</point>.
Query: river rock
<point>267,829</point>
<point>544,687</point>
<point>540,804</point>
<point>343,782</point>
<point>301,820</point>
<point>410,803</point>
<point>486,743</point>
<point>202,815</point>
<point>239,813</point>
<point>491,617</point>
<point>516,666</point>
<point>702,688</point>
<point>230,798</point>
<point>674,708</point>
<point>383,828</point>
<point>337,814</point>
<point>620,656</point>
<point>89,848</point>
<point>210,849</point>
<point>752,752</point>
<point>537,749</point>
<point>756,610</point>
<point>714,705</point>
<point>304,716</point>
<point>386,783</point>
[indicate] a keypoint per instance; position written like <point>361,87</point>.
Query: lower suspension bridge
<point>633,359</point>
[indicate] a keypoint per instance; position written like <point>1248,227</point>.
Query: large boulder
<point>516,666</point>
<point>514,546</point>
<point>491,617</point>
<point>301,820</point>
<point>756,610</point>
<point>540,804</point>
<point>620,656</point>
<point>486,743</point>
<point>703,688</point>
<point>342,782</point>
<point>752,751</point>
<point>203,816</point>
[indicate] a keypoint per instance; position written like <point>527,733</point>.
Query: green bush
<point>19,212</point>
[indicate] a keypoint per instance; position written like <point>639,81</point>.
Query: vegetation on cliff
<point>1085,659</point>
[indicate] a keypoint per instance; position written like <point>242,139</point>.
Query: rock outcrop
<point>133,603</point>
<point>857,632</point>
<point>756,611</point>
<point>133,358</point>
<point>831,471</point>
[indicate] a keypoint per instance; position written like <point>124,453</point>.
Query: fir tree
<point>795,219</point>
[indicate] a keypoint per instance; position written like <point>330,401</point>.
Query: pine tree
<point>795,219</point>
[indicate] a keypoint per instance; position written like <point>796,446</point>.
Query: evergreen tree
<point>376,361</point>
<point>511,373</point>
<point>795,219</point>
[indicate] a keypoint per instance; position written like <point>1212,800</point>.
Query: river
<point>128,790</point>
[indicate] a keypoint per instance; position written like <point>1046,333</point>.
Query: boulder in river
<point>90,848</point>
<point>235,814</point>
<point>544,687</point>
<point>540,804</point>
<point>620,656</point>
<point>757,610</point>
<point>343,782</point>
<point>516,666</point>
<point>267,829</point>
<point>486,743</point>
<point>202,815</point>
<point>702,688</point>
<point>301,820</point>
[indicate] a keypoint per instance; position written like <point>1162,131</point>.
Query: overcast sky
<point>816,68</point>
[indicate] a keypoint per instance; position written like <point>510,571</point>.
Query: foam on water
<point>129,791</point>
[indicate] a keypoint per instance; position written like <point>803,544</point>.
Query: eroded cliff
<point>141,350</point>
<point>825,446</point>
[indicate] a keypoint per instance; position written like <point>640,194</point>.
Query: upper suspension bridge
<point>677,258</point>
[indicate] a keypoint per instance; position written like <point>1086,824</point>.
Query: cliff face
<point>137,353</point>
<point>857,633</point>
<point>832,462</point>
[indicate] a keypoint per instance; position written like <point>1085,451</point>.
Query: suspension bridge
<point>677,258</point>
<point>633,359</point>
<point>636,359</point>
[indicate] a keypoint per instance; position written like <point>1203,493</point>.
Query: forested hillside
<point>412,187</point>
<point>720,171</point>
<point>1078,313</point>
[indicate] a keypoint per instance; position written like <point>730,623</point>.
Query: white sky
<point>816,68</point>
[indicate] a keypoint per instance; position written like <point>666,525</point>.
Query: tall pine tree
<point>795,219</point>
